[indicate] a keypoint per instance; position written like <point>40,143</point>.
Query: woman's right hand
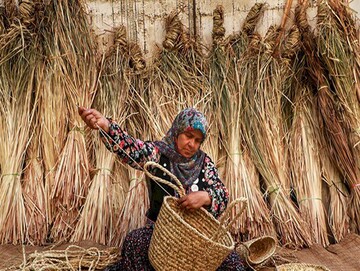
<point>93,118</point>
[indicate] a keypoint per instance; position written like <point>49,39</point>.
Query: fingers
<point>187,202</point>
<point>81,110</point>
<point>89,116</point>
<point>195,200</point>
<point>184,202</point>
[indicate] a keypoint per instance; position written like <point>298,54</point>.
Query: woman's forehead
<point>194,132</point>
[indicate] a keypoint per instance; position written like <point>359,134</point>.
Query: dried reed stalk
<point>305,165</point>
<point>98,216</point>
<point>240,174</point>
<point>336,130</point>
<point>264,133</point>
<point>33,186</point>
<point>135,206</point>
<point>75,41</point>
<point>338,53</point>
<point>19,54</point>
<point>337,203</point>
<point>177,77</point>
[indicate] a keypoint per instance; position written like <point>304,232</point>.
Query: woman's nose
<point>192,143</point>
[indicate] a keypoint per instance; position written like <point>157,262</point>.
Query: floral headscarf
<point>187,170</point>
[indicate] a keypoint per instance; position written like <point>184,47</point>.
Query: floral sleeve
<point>218,193</point>
<point>130,150</point>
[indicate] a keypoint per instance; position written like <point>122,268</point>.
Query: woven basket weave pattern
<point>184,244</point>
<point>188,240</point>
<point>257,250</point>
<point>301,267</point>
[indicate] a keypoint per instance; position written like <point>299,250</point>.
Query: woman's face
<point>188,142</point>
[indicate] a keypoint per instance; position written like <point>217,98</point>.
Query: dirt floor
<point>344,256</point>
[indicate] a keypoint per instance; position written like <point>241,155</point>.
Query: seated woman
<point>179,152</point>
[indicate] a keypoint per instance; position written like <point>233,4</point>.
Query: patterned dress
<point>136,153</point>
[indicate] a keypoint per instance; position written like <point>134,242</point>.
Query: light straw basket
<point>301,267</point>
<point>188,240</point>
<point>257,250</point>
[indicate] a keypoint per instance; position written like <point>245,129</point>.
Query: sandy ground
<point>344,256</point>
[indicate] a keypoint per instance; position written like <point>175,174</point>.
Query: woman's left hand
<point>195,200</point>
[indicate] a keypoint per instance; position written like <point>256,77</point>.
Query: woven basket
<point>257,250</point>
<point>301,267</point>
<point>188,240</point>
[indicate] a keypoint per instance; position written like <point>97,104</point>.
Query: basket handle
<point>178,187</point>
<point>227,214</point>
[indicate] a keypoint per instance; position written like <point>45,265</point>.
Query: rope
<point>72,258</point>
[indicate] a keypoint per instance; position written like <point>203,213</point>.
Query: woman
<point>179,152</point>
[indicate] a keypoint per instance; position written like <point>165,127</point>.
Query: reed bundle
<point>75,43</point>
<point>240,174</point>
<point>99,213</point>
<point>135,206</point>
<point>338,53</point>
<point>177,77</point>
<point>53,114</point>
<point>305,162</point>
<point>337,202</point>
<point>336,130</point>
<point>304,150</point>
<point>33,186</point>
<point>20,53</point>
<point>72,258</point>
<point>336,210</point>
<point>220,77</point>
<point>265,136</point>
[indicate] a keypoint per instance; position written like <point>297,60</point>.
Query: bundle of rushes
<point>338,48</point>
<point>305,150</point>
<point>134,118</point>
<point>265,135</point>
<point>21,75</point>
<point>177,78</point>
<point>76,57</point>
<point>336,210</point>
<point>107,193</point>
<point>240,174</point>
<point>53,115</point>
<point>221,81</point>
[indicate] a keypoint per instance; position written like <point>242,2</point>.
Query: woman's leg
<point>134,254</point>
<point>232,263</point>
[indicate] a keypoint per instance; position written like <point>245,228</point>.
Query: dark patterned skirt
<point>134,254</point>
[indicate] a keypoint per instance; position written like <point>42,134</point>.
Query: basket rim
<point>166,204</point>
<point>321,267</point>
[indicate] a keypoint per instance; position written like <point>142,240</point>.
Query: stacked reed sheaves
<point>283,111</point>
